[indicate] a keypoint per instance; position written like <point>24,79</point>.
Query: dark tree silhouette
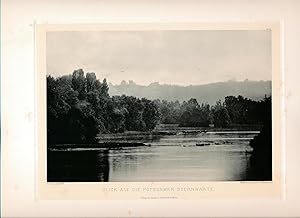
<point>261,159</point>
<point>79,107</point>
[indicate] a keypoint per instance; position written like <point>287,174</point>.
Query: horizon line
<point>162,84</point>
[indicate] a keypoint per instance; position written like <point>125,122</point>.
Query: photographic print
<point>159,105</point>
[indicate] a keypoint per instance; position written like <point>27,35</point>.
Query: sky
<point>179,57</point>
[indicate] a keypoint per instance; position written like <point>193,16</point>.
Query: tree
<point>193,114</point>
<point>104,88</point>
<point>134,117</point>
<point>79,83</point>
<point>79,107</point>
<point>90,82</point>
<point>261,158</point>
<point>169,111</point>
<point>150,114</point>
<point>221,116</point>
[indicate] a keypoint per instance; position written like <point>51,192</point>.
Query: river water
<point>211,156</point>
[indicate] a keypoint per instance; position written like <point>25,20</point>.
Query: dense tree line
<point>233,111</point>
<point>188,113</point>
<point>79,107</point>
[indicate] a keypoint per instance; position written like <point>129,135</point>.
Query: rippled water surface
<point>211,156</point>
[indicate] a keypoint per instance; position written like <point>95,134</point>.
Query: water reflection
<point>78,166</point>
<point>172,158</point>
<point>166,163</point>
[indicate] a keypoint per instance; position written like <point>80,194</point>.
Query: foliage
<point>194,114</point>
<point>221,116</point>
<point>233,111</point>
<point>79,107</point>
<point>169,111</point>
<point>261,159</point>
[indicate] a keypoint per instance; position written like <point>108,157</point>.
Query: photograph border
<point>157,190</point>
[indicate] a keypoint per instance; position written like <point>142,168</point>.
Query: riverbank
<point>169,131</point>
<point>177,138</point>
<point>98,145</point>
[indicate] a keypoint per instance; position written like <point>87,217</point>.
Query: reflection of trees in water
<point>244,166</point>
<point>119,157</point>
<point>129,160</point>
<point>91,165</point>
<point>77,166</point>
<point>103,165</point>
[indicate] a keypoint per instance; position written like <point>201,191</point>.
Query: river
<point>210,156</point>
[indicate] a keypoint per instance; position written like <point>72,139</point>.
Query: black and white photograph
<point>143,108</point>
<point>159,105</point>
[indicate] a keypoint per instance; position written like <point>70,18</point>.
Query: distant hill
<point>208,93</point>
